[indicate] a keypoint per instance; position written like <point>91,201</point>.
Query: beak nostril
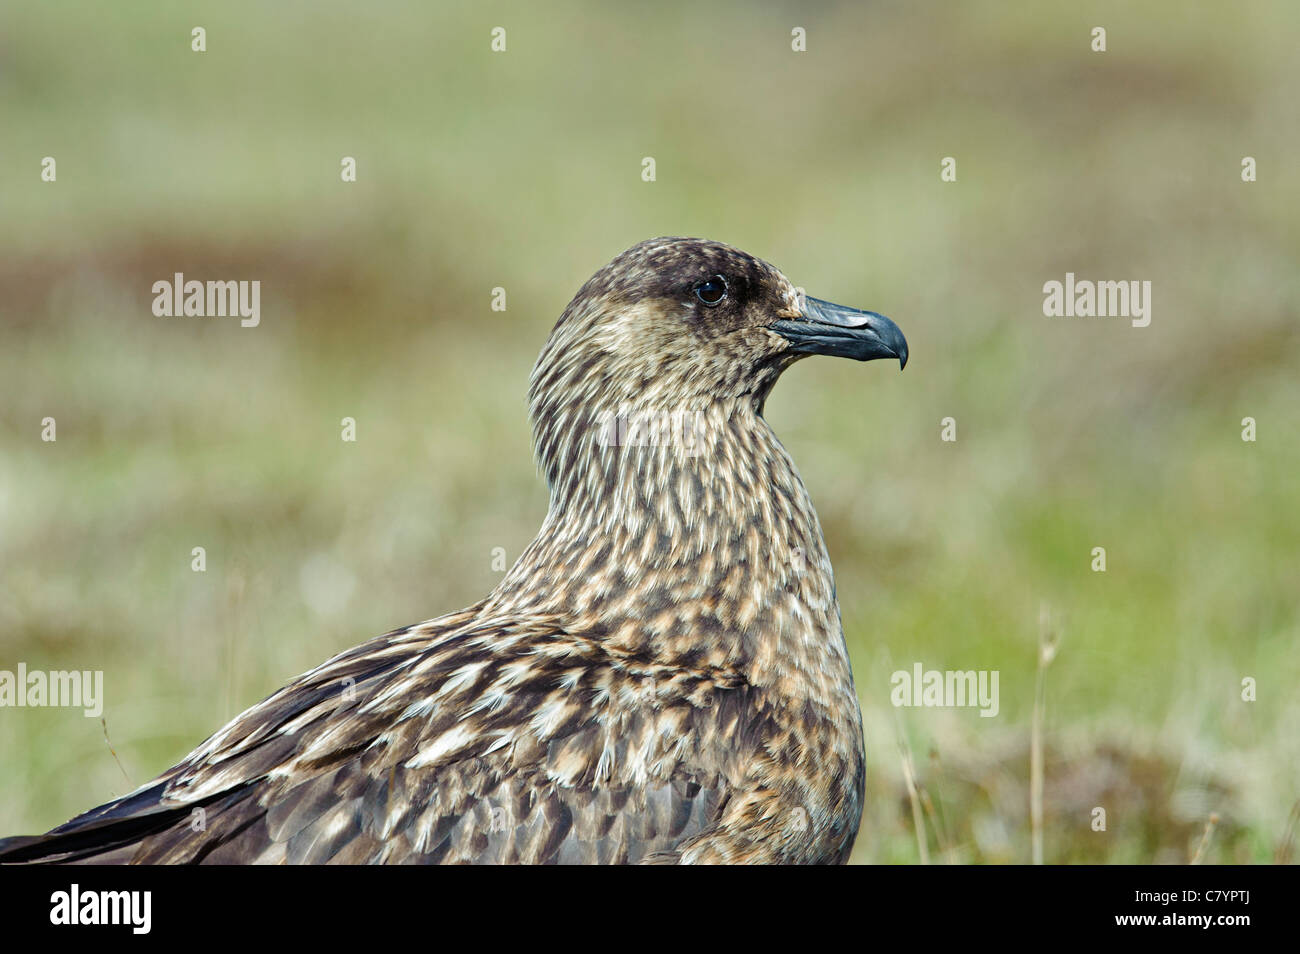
<point>827,328</point>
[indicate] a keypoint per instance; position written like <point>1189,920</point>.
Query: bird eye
<point>712,290</point>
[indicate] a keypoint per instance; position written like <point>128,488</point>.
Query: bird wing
<point>462,739</point>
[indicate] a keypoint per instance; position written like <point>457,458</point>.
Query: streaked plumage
<point>661,677</point>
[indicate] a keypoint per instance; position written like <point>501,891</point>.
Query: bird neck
<point>687,540</point>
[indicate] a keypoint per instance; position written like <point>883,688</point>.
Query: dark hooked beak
<point>825,328</point>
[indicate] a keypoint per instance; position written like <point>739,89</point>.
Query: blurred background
<point>522,170</point>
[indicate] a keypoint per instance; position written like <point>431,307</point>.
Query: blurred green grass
<point>522,170</point>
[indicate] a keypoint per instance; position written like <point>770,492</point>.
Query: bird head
<point>683,324</point>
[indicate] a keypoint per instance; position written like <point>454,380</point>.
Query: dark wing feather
<point>460,741</point>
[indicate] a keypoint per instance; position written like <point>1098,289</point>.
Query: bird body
<point>661,677</point>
